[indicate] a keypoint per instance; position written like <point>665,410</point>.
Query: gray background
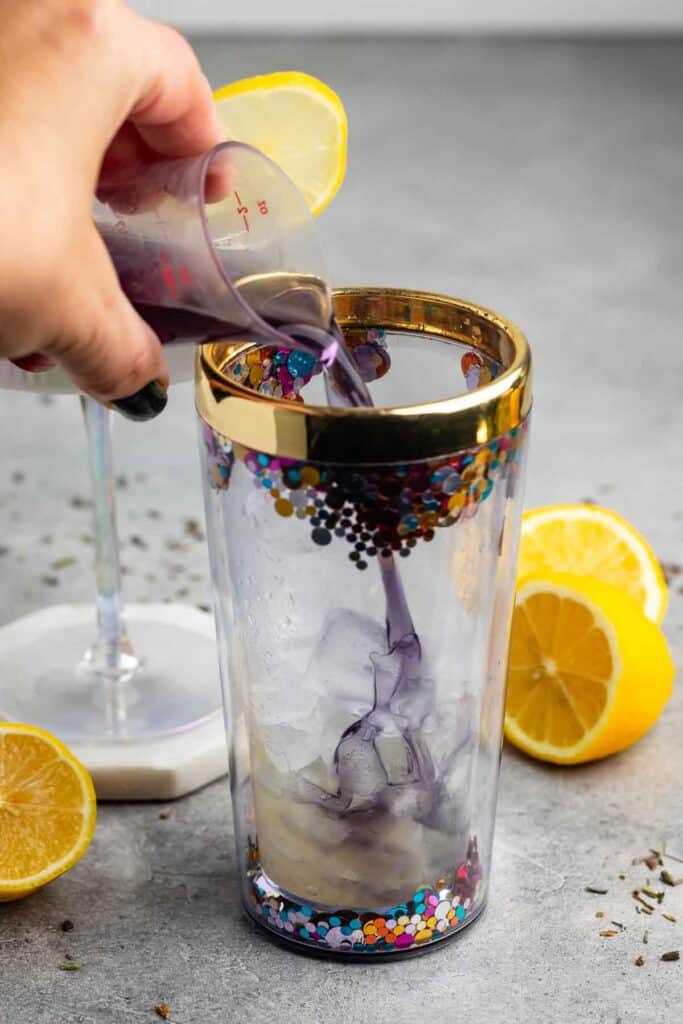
<point>542,179</point>
<point>434,16</point>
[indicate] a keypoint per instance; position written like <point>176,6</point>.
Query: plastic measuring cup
<point>214,245</point>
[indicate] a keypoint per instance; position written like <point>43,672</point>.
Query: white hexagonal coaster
<point>157,738</point>
<point>159,770</point>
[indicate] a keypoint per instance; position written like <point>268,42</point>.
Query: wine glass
<point>103,675</point>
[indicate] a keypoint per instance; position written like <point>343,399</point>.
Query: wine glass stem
<point>112,654</point>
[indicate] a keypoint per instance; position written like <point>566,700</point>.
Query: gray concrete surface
<point>542,179</point>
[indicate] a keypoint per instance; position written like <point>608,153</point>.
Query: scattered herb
<point>78,502</point>
<point>70,965</point>
<point>671,570</point>
<point>193,529</point>
<point>599,913</point>
<point>204,607</point>
<point>182,592</point>
<point>646,936</point>
<point>671,956</point>
<point>122,481</point>
<point>670,917</point>
<point>596,889</point>
<point>644,903</point>
<point>639,961</point>
<point>652,893</point>
<point>651,859</point>
<point>588,501</point>
<point>153,513</point>
<point>50,581</point>
<point>67,925</point>
<point>138,541</point>
<point>163,1010</point>
<point>166,813</point>
<point>667,878</point>
<point>622,877</point>
<point>63,563</point>
<point>619,925</point>
<point>18,477</point>
<point>86,538</point>
<point>609,932</point>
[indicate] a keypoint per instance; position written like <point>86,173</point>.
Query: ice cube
<point>340,665</point>
<point>304,697</point>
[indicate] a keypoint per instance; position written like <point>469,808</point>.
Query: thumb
<point>99,339</point>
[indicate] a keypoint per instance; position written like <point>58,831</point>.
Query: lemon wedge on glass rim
<point>297,121</point>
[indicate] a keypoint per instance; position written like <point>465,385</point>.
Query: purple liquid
<point>290,305</point>
<point>182,326</point>
<point>400,697</point>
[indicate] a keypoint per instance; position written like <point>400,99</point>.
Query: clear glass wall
<point>363,614</point>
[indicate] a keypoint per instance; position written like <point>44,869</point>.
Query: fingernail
<point>145,404</point>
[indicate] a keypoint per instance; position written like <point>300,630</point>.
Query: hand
<point>86,86</point>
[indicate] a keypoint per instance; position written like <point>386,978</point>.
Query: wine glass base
<point>45,681</point>
<point>161,769</point>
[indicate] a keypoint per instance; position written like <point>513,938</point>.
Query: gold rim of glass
<point>379,434</point>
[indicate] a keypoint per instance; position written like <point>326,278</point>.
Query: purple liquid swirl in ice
<point>401,699</point>
<point>290,305</point>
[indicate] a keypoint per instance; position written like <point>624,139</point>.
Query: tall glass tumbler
<point>363,565</point>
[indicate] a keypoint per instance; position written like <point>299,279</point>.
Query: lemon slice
<point>588,672</point>
<point>593,541</point>
<point>296,120</point>
<point>47,809</point>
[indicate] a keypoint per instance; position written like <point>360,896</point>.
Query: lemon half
<point>47,809</point>
<point>593,541</point>
<point>588,673</point>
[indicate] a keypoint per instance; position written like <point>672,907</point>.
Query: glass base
<point>46,678</point>
<point>302,948</point>
<point>431,915</point>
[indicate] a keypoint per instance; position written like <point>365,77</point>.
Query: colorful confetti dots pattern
<point>377,510</point>
<point>431,914</point>
<point>275,372</point>
<point>220,459</point>
<point>282,372</point>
